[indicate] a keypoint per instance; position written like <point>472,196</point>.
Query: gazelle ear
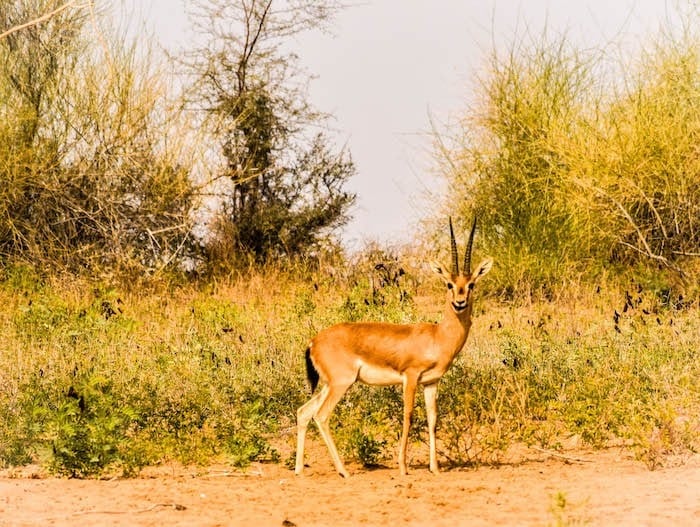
<point>441,271</point>
<point>481,269</point>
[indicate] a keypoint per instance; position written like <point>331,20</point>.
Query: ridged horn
<point>468,252</point>
<point>453,244</point>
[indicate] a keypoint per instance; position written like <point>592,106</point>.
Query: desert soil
<point>582,488</point>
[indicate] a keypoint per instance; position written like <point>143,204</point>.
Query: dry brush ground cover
<point>579,409</point>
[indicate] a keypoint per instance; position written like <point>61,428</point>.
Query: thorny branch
<point>43,18</point>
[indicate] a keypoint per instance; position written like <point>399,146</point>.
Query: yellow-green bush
<point>578,163</point>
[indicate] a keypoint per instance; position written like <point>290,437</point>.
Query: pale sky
<point>389,64</point>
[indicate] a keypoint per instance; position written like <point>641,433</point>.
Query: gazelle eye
<point>449,285</point>
<point>471,285</point>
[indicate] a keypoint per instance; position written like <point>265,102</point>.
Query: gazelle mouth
<point>459,307</point>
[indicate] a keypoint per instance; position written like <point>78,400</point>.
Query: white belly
<point>375,375</point>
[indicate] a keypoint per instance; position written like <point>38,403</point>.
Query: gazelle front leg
<point>430,392</point>
<point>410,381</point>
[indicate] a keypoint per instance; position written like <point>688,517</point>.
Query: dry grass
<point>211,373</point>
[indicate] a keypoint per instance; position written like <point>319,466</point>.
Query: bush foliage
<point>574,166</point>
<point>97,380</point>
<point>93,172</point>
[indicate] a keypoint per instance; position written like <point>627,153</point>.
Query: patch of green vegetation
<point>95,380</point>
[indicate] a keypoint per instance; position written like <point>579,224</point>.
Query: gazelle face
<point>460,287</point>
<point>459,290</point>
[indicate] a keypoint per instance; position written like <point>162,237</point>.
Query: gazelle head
<point>461,284</point>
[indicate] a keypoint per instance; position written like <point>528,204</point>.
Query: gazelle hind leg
<point>304,414</point>
<point>333,396</point>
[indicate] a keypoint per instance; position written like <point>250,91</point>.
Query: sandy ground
<point>591,488</point>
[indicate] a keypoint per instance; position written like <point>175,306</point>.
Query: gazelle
<point>384,354</point>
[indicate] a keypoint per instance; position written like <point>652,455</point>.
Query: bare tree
<point>286,183</point>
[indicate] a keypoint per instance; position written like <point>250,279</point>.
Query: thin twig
<point>230,474</point>
<point>562,456</point>
<point>173,505</point>
<point>39,20</point>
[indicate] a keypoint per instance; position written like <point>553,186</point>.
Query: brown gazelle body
<point>384,354</point>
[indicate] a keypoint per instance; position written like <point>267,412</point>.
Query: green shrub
<point>576,168</point>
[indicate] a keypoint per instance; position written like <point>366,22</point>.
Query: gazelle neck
<point>454,327</point>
